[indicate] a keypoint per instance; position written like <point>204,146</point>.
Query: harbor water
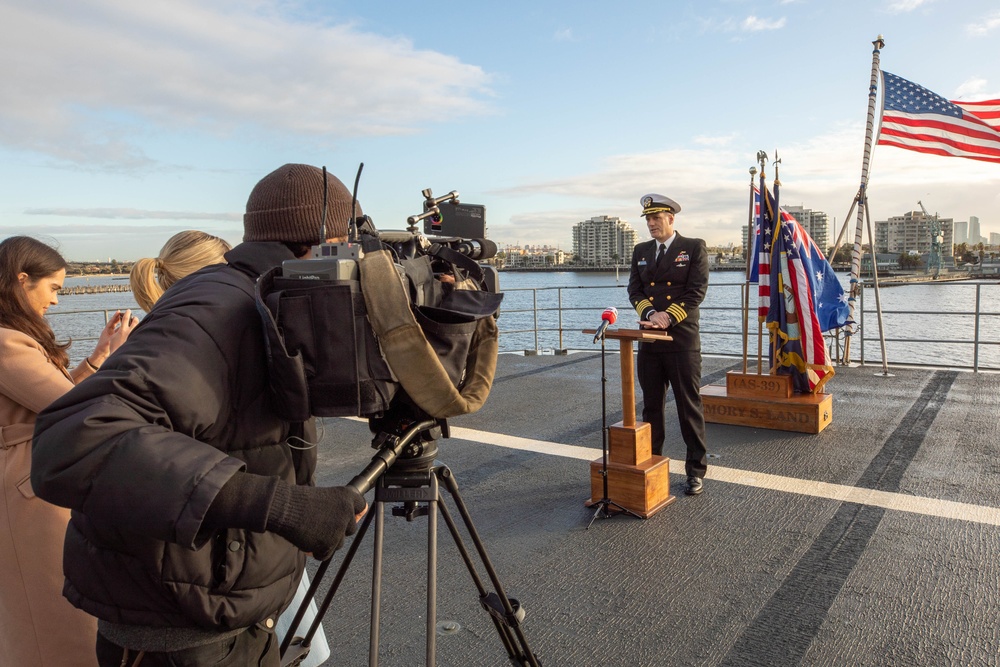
<point>924,324</point>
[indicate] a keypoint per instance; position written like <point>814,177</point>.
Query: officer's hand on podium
<point>657,320</point>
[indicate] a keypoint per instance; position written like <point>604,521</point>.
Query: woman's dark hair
<point>23,254</point>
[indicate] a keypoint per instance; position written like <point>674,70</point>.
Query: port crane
<point>937,239</point>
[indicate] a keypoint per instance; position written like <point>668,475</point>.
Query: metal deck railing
<point>962,333</point>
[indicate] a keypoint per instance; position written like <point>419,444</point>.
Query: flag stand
<point>756,399</point>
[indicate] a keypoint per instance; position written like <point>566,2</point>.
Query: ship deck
<point>873,542</point>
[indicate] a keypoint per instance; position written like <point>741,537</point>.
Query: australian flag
<point>800,297</point>
<point>829,300</point>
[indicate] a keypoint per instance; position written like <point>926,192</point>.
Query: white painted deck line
<point>899,502</point>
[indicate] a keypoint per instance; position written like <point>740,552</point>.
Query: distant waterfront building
<point>603,241</point>
<point>816,224</point>
<point>911,232</point>
<point>974,233</point>
<point>961,232</point>
<point>532,256</point>
<point>994,239</point>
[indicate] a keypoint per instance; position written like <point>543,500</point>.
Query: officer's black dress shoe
<point>694,486</point>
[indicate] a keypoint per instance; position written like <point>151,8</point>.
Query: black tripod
<point>605,504</point>
<point>404,471</point>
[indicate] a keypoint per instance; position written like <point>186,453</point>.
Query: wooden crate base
<point>629,445</point>
<point>804,413</point>
<point>643,489</point>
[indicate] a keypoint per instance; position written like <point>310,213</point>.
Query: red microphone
<point>610,316</point>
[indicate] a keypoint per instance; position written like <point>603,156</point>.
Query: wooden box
<point>643,489</point>
<point>804,413</point>
<point>630,445</point>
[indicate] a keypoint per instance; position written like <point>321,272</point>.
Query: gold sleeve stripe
<point>677,312</point>
<point>642,306</point>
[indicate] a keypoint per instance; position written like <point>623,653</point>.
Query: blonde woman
<point>182,255</point>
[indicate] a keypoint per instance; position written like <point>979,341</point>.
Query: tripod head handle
<point>388,453</point>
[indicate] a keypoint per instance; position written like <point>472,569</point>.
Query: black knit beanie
<point>287,206</point>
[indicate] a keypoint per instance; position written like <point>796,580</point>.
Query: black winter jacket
<point>676,286</point>
<point>139,451</point>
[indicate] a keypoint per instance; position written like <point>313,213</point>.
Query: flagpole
<point>878,298</point>
<point>762,159</point>
<point>843,231</point>
<point>861,201</point>
<point>777,222</point>
<point>750,247</point>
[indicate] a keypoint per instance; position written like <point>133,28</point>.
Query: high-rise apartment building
<point>994,239</point>
<point>816,224</point>
<point>604,241</point>
<point>961,232</point>
<point>911,232</point>
<point>974,233</point>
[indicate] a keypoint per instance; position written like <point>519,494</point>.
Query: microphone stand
<point>605,504</point>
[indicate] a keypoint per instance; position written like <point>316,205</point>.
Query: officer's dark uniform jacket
<point>676,286</point>
<point>139,451</point>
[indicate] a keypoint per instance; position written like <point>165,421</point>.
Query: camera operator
<point>191,512</point>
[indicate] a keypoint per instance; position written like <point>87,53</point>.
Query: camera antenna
<point>352,224</point>
<point>322,222</point>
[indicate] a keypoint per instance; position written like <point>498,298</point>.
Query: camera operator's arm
<point>144,446</point>
<point>315,519</point>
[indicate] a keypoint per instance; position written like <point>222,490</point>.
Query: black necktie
<point>661,253</point>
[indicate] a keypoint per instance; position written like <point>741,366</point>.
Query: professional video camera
<point>399,327</point>
<point>350,326</point>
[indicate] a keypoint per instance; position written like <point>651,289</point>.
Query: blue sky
<point>123,122</point>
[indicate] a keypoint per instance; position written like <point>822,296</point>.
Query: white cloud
<point>82,80</point>
<point>712,185</point>
<point>133,214</point>
<point>704,140</point>
<point>753,24</point>
<point>749,24</point>
<point>899,6</point>
<point>985,26</point>
<point>564,35</point>
<point>975,89</point>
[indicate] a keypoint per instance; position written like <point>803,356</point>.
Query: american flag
<point>760,268</point>
<point>919,120</point>
<point>809,298</point>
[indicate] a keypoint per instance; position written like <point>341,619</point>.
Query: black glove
<point>315,519</point>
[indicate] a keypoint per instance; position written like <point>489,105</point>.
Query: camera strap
<point>411,357</point>
<point>456,258</point>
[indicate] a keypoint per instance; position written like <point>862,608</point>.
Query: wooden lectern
<point>637,480</point>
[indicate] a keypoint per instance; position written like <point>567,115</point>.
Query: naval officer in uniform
<point>667,284</point>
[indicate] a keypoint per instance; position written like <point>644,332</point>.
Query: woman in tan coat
<point>37,625</point>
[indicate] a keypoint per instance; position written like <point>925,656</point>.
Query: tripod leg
<point>605,505</point>
<point>506,619</point>
<point>301,611</point>
<point>376,580</point>
<point>432,571</point>
<point>289,653</point>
